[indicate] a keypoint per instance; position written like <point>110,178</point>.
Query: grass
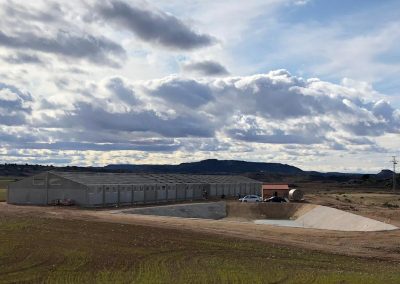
<point>388,200</point>
<point>62,251</point>
<point>4,181</point>
<point>3,194</point>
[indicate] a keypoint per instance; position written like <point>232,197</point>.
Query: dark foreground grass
<point>38,250</point>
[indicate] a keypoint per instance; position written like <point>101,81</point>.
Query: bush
<point>389,205</point>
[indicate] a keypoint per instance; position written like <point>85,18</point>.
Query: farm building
<point>110,189</point>
<point>269,190</point>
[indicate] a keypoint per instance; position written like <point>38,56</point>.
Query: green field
<point>63,251</point>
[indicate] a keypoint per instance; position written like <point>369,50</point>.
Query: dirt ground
<point>377,245</point>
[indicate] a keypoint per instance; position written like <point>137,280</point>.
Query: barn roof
<point>131,178</point>
<point>275,186</point>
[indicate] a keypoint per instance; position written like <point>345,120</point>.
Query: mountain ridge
<point>210,166</point>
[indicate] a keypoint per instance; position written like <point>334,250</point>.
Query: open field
<point>38,249</point>
<point>70,245</point>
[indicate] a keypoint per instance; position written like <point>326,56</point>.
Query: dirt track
<point>382,245</point>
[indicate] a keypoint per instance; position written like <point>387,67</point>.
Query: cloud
<point>123,92</point>
<point>86,116</point>
<point>205,68</point>
<point>85,146</point>
<point>180,91</point>
<point>224,116</point>
<point>15,105</point>
<point>50,15</point>
<point>153,26</point>
<point>99,50</point>
<point>23,58</point>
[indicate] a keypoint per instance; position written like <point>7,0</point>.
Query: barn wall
<point>42,189</point>
<point>61,188</point>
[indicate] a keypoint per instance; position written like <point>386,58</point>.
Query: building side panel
<point>138,194</point>
<point>95,196</point>
<point>190,188</point>
<point>181,188</point>
<point>198,191</point>
<point>213,190</point>
<point>220,189</point>
<point>161,193</point>
<point>171,192</point>
<point>150,194</point>
<point>111,194</point>
<point>31,190</point>
<point>237,189</point>
<point>232,190</point>
<point>125,194</point>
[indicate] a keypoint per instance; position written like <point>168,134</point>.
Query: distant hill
<point>384,174</point>
<point>265,172</point>
<point>210,166</point>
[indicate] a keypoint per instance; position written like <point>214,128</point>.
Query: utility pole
<point>394,172</point>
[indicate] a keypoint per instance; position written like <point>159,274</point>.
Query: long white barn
<point>109,189</point>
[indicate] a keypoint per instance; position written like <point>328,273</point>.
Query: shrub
<point>389,205</point>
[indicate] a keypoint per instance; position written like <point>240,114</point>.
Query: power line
<point>394,172</point>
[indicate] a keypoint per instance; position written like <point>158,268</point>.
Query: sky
<point>310,83</point>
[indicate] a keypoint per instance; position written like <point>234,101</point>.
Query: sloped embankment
<point>278,214</point>
<point>262,210</point>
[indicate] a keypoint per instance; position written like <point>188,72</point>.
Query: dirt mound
<point>262,210</point>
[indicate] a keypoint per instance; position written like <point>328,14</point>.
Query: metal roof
<point>131,178</point>
<point>275,186</point>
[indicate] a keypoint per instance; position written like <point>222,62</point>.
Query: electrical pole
<point>394,172</point>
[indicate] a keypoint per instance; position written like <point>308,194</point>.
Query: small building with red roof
<point>269,190</point>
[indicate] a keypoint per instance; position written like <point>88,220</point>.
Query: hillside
<point>211,166</point>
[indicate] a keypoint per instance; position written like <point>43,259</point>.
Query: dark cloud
<point>98,50</point>
<point>85,116</point>
<point>276,138</point>
<point>122,91</point>
<point>85,146</point>
<point>153,26</point>
<point>23,58</point>
<point>206,68</point>
<point>15,105</point>
<point>179,91</point>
